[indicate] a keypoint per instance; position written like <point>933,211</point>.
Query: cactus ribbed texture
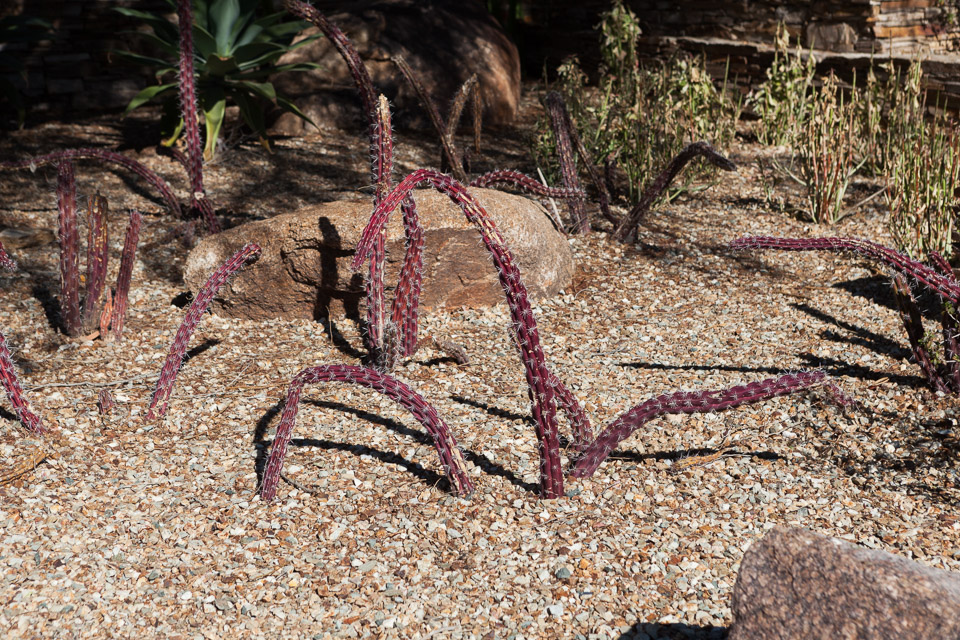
<point>559,120</point>
<point>687,402</point>
<point>96,260</point>
<point>525,182</point>
<point>913,323</point>
<point>6,261</point>
<point>627,231</point>
<point>130,240</point>
<point>68,237</point>
<point>108,156</point>
<point>582,431</point>
<point>946,286</point>
<point>405,310</point>
<point>383,182</point>
<point>450,457</point>
<point>8,379</point>
<point>168,374</point>
<point>525,326</point>
<point>186,80</point>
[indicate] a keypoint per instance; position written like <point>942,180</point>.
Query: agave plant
<point>236,50</point>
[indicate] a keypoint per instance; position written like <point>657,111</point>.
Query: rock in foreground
<point>304,271</point>
<point>797,585</point>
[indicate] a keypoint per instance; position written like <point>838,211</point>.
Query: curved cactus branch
<point>582,431</point>
<point>524,324</point>
<point>188,100</point>
<point>118,312</point>
<point>587,161</point>
<point>525,182</point>
<point>687,402</point>
<point>450,457</point>
<point>913,323</point>
<point>68,238</point>
<point>168,374</point>
<point>10,383</point>
<point>107,156</point>
<point>627,231</point>
<point>946,286</point>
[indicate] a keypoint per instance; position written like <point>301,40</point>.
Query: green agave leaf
<point>170,140</point>
<point>204,44</point>
<point>222,66</point>
<point>214,106</point>
<point>147,95</point>
<point>224,15</point>
<point>250,34</point>
<point>251,110</point>
<point>262,89</point>
<point>253,52</point>
<point>288,106</point>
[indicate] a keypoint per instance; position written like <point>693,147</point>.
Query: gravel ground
<point>155,529</point>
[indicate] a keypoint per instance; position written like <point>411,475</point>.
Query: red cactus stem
<point>168,374</point>
<point>687,402</point>
<point>587,160</point>
<point>405,309</point>
<point>203,207</point>
<point>69,239</point>
<point>96,259</point>
<point>459,102</point>
<point>107,156</point>
<point>130,240</point>
<point>627,231</point>
<point>524,324</point>
<point>450,457</point>
<point>392,349</point>
<point>105,402</point>
<point>188,99</point>
<point>10,383</point>
<point>947,287</point>
<point>105,315</point>
<point>913,323</point>
<point>525,182</point>
<point>568,166</point>
<point>582,430</point>
<point>940,263</point>
<point>383,177</point>
<point>6,261</point>
<point>447,144</point>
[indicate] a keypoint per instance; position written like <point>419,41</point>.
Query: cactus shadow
<point>674,631</point>
<point>428,476</point>
<point>861,336</point>
<point>493,411</point>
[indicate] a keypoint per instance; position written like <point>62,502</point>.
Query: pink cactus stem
<point>627,231</point>
<point>69,239</point>
<point>108,156</point>
<point>105,402</point>
<point>8,379</point>
<point>119,312</point>
<point>582,430</point>
<point>527,337</point>
<point>450,457</point>
<point>168,374</point>
<point>687,402</point>
<point>913,323</point>
<point>405,310</point>
<point>946,286</point>
<point>525,182</point>
<point>188,99</point>
<point>96,259</point>
<point>6,261</point>
<point>568,166</point>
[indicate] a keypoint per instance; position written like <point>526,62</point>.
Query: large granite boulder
<point>444,41</point>
<point>797,585</point>
<point>304,271</point>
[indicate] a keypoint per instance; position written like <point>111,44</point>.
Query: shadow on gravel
<point>673,631</point>
<point>863,337</point>
<point>429,477</point>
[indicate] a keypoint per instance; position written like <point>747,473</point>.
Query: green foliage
<point>17,30</point>
<point>236,50</point>
<point>640,117</point>
<point>783,100</point>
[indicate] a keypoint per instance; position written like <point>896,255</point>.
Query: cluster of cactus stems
<point>95,309</point>
<point>940,278</point>
<point>451,459</point>
<point>105,155</point>
<point>171,366</point>
<point>563,133</point>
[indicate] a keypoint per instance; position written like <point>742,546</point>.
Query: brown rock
<point>444,41</point>
<point>304,271</point>
<point>797,585</point>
